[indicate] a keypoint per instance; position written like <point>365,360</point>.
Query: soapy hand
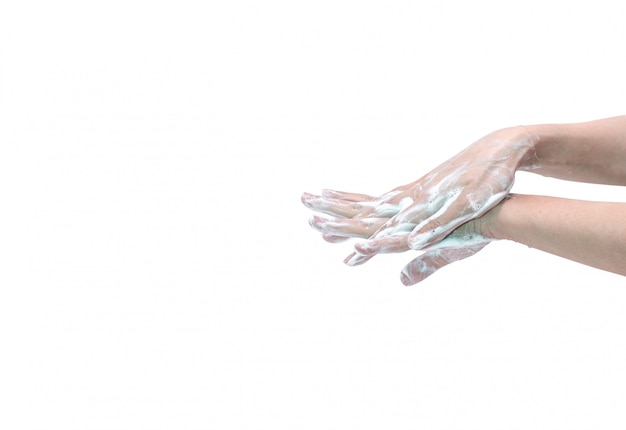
<point>462,243</point>
<point>420,214</point>
<point>459,245</point>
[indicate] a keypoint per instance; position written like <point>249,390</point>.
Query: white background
<point>156,266</point>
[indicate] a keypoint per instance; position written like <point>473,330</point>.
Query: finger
<point>455,212</point>
<point>356,227</point>
<point>413,214</point>
<point>330,238</point>
<point>389,238</point>
<point>356,259</point>
<point>334,239</point>
<point>366,251</point>
<point>383,245</point>
<point>334,207</point>
<point>348,197</point>
<point>428,263</point>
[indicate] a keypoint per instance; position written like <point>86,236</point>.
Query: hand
<point>422,213</point>
<point>464,242</point>
<point>459,245</point>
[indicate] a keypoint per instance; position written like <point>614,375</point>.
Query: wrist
<point>517,145</point>
<point>493,224</point>
<point>547,146</point>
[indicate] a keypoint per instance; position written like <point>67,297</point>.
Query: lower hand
<point>462,243</point>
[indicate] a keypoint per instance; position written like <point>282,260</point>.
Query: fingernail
<point>350,259</point>
<point>334,239</point>
<point>316,221</point>
<point>306,199</point>
<point>356,259</point>
<point>405,279</point>
<point>366,248</point>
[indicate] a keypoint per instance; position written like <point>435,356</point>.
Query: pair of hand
<point>434,213</point>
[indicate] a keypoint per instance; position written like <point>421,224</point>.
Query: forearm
<point>592,233</point>
<point>586,152</point>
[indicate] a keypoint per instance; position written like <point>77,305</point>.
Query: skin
<point>424,212</point>
<point>591,233</point>
<point>592,152</point>
<point>458,208</point>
